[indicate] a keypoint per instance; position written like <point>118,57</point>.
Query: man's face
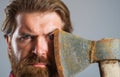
<point>32,44</point>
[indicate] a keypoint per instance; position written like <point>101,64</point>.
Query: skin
<point>32,35</point>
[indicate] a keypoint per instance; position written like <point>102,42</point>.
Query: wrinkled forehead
<point>37,22</point>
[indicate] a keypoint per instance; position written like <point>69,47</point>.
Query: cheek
<point>25,50</point>
<point>15,48</point>
<point>21,50</point>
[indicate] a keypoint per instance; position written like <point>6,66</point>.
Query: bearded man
<point>28,29</point>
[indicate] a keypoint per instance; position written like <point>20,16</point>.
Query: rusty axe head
<point>72,53</point>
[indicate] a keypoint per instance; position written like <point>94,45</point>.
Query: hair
<point>18,6</point>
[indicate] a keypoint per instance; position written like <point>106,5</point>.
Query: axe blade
<point>72,53</point>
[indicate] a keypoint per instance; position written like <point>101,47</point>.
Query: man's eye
<point>51,36</point>
<point>25,37</point>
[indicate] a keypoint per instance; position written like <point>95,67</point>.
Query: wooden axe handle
<point>109,68</point>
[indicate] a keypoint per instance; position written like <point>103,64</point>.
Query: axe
<point>73,54</point>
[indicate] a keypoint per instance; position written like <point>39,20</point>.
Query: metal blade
<point>72,53</point>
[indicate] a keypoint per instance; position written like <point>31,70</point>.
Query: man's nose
<point>41,47</point>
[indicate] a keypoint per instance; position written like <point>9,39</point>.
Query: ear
<point>8,41</point>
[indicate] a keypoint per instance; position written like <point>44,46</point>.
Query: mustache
<point>34,59</point>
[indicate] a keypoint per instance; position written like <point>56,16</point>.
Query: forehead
<point>38,22</point>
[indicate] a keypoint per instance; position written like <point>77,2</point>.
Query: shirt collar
<point>11,74</point>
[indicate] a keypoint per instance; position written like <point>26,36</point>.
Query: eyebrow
<point>22,33</point>
<point>51,32</point>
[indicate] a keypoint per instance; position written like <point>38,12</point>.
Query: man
<point>28,31</point>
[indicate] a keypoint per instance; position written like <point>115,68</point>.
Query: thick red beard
<point>31,71</point>
<point>26,68</point>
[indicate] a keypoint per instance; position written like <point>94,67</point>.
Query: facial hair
<point>25,67</point>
